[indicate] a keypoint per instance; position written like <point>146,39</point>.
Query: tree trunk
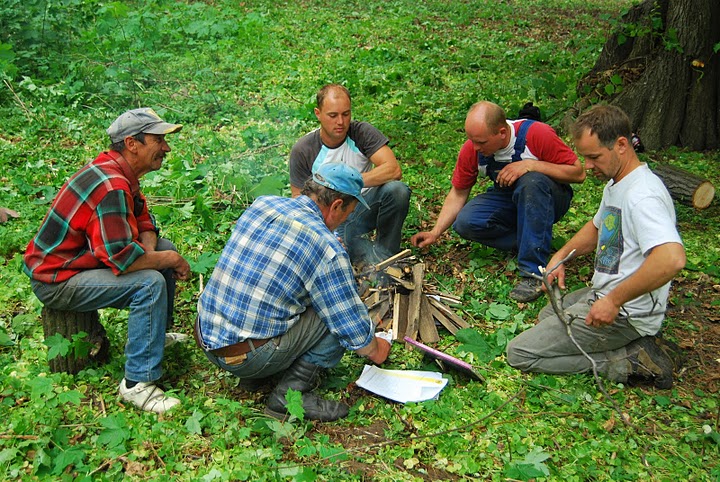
<point>671,74</point>
<point>69,323</point>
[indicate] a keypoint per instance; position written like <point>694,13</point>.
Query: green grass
<point>241,77</point>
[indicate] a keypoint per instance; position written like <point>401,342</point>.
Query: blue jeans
<point>309,339</point>
<point>149,294</point>
<point>389,205</point>
<point>520,218</point>
<point>547,348</point>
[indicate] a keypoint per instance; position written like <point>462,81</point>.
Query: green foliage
<point>652,26</point>
<point>241,77</point>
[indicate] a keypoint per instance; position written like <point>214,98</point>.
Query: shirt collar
<point>127,171</point>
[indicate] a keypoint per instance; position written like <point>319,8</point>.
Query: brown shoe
<point>527,289</point>
<point>648,361</point>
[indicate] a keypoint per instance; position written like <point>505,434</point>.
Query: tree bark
<point>69,323</point>
<point>671,74</point>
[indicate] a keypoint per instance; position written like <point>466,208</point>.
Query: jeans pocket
<point>258,363</point>
<point>234,360</point>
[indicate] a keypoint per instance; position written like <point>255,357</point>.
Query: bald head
<point>331,90</point>
<point>487,128</point>
<point>487,114</point>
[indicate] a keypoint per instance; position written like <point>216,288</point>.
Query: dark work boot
<point>672,350</point>
<point>302,377</point>
<point>647,360</point>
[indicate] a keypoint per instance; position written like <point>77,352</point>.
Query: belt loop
<point>252,345</point>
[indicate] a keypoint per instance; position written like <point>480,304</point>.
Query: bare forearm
<point>584,242</point>
<point>386,168</point>
<point>454,202</point>
<point>564,173</point>
<point>148,239</point>
<point>160,260</point>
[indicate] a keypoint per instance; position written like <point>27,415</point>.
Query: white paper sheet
<point>402,385</point>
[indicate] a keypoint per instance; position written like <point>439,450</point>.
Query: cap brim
<point>162,128</point>
<point>362,201</point>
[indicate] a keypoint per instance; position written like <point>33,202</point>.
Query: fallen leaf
<point>609,426</point>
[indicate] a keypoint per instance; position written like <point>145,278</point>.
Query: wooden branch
<point>553,292</point>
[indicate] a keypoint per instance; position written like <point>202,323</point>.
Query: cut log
<point>685,187</point>
<point>69,323</point>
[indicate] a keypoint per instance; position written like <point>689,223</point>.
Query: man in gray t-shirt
<point>362,146</point>
<point>638,251</point>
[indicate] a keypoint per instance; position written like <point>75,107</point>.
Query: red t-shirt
<point>541,143</point>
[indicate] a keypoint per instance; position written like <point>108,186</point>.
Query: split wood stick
<point>394,271</point>
<point>378,311</point>
<point>392,259</point>
<point>407,284</point>
<point>449,313</point>
<point>372,300</point>
<point>427,328</point>
<point>444,321</point>
<point>443,296</point>
<point>415,297</point>
<point>400,306</point>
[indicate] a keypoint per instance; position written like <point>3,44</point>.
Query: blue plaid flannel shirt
<point>281,259</point>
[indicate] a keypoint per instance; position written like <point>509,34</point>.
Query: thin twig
<point>19,100</point>
<point>20,437</point>
<point>106,464</point>
<point>553,292</point>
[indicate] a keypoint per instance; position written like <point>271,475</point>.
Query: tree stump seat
<point>69,323</point>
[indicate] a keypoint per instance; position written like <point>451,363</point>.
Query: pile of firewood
<point>397,297</point>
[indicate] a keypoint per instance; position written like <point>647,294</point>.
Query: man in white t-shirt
<point>638,251</point>
<point>360,145</point>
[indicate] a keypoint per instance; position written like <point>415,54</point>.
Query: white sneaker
<point>171,338</point>
<point>146,396</point>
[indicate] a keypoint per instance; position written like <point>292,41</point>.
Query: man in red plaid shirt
<point>98,247</point>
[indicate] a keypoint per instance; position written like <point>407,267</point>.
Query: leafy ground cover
<point>241,76</point>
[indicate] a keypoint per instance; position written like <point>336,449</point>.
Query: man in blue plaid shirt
<point>283,299</point>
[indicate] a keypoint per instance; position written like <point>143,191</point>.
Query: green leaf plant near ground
<point>241,77</point>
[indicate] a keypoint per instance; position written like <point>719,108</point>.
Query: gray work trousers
<point>547,348</point>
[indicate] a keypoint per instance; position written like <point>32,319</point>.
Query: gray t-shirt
<point>635,215</point>
<point>309,153</point>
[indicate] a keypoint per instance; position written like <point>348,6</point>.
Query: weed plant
<point>241,77</point>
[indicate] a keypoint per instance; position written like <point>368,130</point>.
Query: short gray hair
<point>119,146</point>
<point>324,195</point>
